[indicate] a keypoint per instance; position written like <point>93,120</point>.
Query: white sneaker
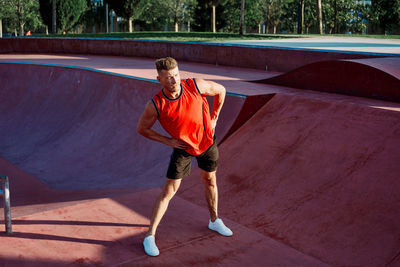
<point>150,247</point>
<point>220,227</point>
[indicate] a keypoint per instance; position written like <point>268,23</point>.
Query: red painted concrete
<point>251,105</point>
<point>319,176</point>
<point>76,121</point>
<point>308,180</point>
<point>60,123</point>
<point>234,78</point>
<point>246,57</point>
<point>375,78</point>
<point>108,232</point>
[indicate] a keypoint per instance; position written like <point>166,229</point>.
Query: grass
<point>206,36</point>
<point>175,36</point>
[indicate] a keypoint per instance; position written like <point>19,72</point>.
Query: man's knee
<point>170,188</point>
<point>209,178</point>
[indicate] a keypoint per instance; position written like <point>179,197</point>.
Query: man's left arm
<point>211,88</point>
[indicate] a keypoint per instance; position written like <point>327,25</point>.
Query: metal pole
<point>214,29</point>
<point>7,209</point>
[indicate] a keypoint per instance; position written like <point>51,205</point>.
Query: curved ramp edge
<point>377,78</point>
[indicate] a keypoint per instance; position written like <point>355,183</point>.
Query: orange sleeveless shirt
<point>187,117</point>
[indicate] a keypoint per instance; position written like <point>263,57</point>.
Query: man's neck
<point>172,95</point>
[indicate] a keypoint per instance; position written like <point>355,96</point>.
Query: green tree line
<point>262,16</point>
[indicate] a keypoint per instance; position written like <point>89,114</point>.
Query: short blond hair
<point>167,63</point>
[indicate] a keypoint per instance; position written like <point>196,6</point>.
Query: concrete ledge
<point>272,59</point>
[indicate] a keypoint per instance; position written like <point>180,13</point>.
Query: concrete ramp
<point>75,128</point>
<point>304,179</point>
<point>321,177</point>
<point>377,78</point>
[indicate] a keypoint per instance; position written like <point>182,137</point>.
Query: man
<point>182,110</point>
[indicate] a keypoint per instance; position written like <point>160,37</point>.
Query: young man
<point>182,110</point>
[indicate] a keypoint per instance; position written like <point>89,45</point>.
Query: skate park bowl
<point>308,172</point>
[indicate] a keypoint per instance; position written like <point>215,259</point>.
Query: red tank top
<point>187,117</point>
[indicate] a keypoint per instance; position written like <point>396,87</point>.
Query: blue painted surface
<point>317,44</point>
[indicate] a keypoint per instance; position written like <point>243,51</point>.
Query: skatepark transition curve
<point>75,128</point>
<point>317,176</point>
<point>377,78</point>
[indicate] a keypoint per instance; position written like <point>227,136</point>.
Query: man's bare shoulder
<point>209,88</point>
<point>150,108</point>
<point>201,82</point>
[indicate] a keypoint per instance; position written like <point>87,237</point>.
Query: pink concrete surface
<point>305,178</point>
<point>142,67</point>
<point>375,78</point>
<point>234,78</point>
<point>77,120</point>
<point>109,231</point>
<point>275,59</point>
<point>319,176</point>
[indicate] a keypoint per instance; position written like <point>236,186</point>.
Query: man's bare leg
<point>160,207</point>
<point>211,190</point>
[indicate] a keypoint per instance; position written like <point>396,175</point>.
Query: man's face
<point>170,80</point>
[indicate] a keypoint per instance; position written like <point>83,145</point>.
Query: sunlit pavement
<point>327,43</point>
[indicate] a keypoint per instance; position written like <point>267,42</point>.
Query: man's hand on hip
<point>178,144</point>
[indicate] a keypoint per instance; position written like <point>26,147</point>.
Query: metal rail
<point>5,191</point>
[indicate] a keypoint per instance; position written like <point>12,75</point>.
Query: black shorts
<point>180,163</point>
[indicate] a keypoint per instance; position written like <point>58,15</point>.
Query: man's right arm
<point>145,128</point>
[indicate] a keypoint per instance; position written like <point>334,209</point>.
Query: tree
<point>4,13</point>
<point>128,9</point>
<point>336,14</point>
<point>46,12</point>
<point>328,14</point>
<point>319,15</point>
<point>178,8</point>
<point>358,16</point>
<point>68,13</point>
<point>275,13</point>
<point>213,4</point>
<point>254,14</point>
<point>309,15</point>
<point>154,15</point>
<point>19,13</point>
<point>387,14</point>
<point>301,15</point>
<point>241,28</point>
<point>93,16</point>
<point>206,13</point>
